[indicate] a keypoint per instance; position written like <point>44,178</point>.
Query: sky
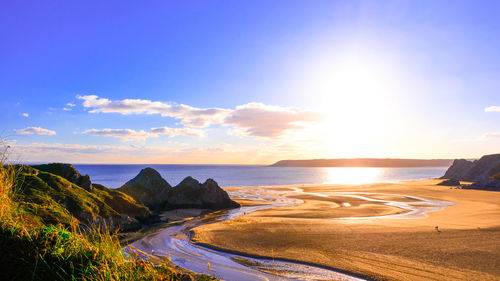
<point>248,82</point>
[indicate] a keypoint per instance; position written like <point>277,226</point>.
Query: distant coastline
<point>365,162</point>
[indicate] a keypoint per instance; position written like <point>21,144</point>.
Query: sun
<point>355,96</point>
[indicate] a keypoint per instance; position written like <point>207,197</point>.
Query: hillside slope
<point>51,192</point>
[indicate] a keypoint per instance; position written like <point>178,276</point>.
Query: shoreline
<point>245,254</point>
<point>462,227</point>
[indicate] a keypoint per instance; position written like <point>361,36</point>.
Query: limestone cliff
<point>482,172</point>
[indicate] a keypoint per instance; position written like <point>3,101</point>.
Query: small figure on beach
<point>208,266</point>
<point>437,229</point>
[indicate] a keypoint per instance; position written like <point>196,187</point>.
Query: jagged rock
<point>482,172</point>
<point>450,182</point>
<point>478,170</point>
<point>458,169</point>
<point>148,188</point>
<point>190,193</point>
<point>68,172</point>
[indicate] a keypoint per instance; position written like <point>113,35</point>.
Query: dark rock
<point>450,182</point>
<point>148,188</point>
<point>484,173</point>
<point>475,171</point>
<point>487,185</point>
<point>458,169</point>
<point>190,193</point>
<point>68,172</point>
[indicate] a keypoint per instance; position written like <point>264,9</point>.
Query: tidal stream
<point>174,242</point>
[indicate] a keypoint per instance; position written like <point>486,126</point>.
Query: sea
<point>114,176</point>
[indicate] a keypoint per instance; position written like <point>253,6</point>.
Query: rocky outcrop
<point>449,183</point>
<point>148,188</point>
<point>458,170</point>
<point>481,172</point>
<point>68,172</point>
<point>190,193</point>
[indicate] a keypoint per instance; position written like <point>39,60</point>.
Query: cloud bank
<point>132,135</point>
<point>252,119</point>
<point>35,131</point>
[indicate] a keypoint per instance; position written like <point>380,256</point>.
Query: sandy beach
<point>338,227</point>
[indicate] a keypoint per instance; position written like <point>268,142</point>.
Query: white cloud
<point>25,114</point>
<point>69,106</point>
<point>172,132</point>
<point>254,119</point>
<point>132,135</point>
<point>191,116</point>
<point>257,119</point>
<point>122,134</point>
<point>35,131</point>
<point>74,148</point>
<point>492,108</point>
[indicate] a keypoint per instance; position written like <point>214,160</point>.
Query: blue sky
<point>280,80</point>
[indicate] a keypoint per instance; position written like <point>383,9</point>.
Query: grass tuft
<point>35,249</point>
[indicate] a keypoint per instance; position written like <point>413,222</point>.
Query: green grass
<point>40,238</point>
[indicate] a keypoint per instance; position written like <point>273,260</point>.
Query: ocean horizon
<point>115,175</point>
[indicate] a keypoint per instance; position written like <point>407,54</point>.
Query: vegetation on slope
<point>54,199</point>
<point>40,238</point>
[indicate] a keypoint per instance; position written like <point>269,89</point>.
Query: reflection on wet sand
<point>175,241</point>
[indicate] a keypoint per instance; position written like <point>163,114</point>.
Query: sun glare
<point>349,175</point>
<point>355,96</point>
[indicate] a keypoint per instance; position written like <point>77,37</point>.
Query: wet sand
<point>370,237</point>
<point>174,244</point>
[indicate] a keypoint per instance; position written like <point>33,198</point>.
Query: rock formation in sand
<point>148,188</point>
<point>191,193</point>
<point>482,172</point>
<point>450,182</point>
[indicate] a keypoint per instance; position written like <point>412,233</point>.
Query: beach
<point>410,230</point>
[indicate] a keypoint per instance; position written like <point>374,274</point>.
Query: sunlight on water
<point>114,176</point>
<point>353,175</point>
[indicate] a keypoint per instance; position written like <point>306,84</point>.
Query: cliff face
<point>482,172</point>
<point>459,170</point>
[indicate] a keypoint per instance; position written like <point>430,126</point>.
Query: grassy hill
<point>47,193</point>
<point>42,210</point>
